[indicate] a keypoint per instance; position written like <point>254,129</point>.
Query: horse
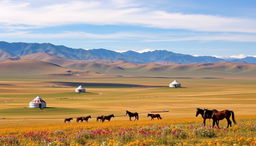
<point>79,119</point>
<point>108,117</point>
<point>130,114</point>
<point>87,118</point>
<point>153,116</point>
<point>67,120</point>
<point>101,118</point>
<point>220,115</point>
<point>205,115</point>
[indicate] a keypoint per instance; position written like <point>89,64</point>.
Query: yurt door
<point>40,105</point>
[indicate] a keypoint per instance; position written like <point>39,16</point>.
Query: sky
<point>196,27</point>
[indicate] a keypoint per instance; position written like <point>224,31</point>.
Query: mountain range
<point>18,49</point>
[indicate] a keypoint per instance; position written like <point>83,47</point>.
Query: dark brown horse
<point>153,116</point>
<point>67,120</point>
<point>130,114</point>
<point>87,118</point>
<point>100,118</point>
<point>205,115</point>
<point>220,115</point>
<point>108,117</point>
<point>81,119</point>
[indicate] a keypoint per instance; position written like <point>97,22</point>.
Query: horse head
<point>199,111</point>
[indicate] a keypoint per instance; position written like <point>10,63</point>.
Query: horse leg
<point>204,122</point>
<point>213,123</point>
<point>130,118</point>
<point>229,122</point>
<point>217,123</point>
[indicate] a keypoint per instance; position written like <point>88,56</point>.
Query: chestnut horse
<point>67,120</point>
<point>153,116</point>
<point>130,114</point>
<point>205,115</point>
<point>220,115</point>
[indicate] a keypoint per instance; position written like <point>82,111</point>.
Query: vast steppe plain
<point>19,125</point>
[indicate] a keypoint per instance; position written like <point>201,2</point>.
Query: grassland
<point>236,94</point>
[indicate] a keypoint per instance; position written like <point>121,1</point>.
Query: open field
<point>236,94</point>
<point>115,95</point>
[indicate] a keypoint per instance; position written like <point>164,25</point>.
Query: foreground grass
<point>163,132</point>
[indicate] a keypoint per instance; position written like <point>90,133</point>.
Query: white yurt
<point>38,102</point>
<point>80,89</point>
<point>175,84</point>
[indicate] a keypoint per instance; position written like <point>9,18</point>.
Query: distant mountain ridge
<point>23,49</point>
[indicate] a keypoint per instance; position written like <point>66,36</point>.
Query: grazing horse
<point>220,115</point>
<point>67,120</point>
<point>108,117</point>
<point>86,118</point>
<point>100,118</point>
<point>79,119</point>
<point>130,114</point>
<point>153,116</point>
<point>205,115</point>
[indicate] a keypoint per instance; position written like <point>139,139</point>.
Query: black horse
<point>153,116</point>
<point>108,117</point>
<point>87,118</point>
<point>100,118</point>
<point>67,120</point>
<point>205,115</point>
<point>130,114</point>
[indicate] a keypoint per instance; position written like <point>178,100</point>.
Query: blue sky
<point>197,27</point>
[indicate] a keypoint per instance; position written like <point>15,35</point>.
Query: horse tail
<point>233,116</point>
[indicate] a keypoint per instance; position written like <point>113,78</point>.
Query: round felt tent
<point>38,102</point>
<point>80,89</point>
<point>175,84</point>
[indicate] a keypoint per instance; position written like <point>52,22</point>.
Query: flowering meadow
<point>132,133</point>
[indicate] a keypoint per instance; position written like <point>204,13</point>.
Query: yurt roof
<point>80,87</point>
<point>38,99</point>
<point>175,82</point>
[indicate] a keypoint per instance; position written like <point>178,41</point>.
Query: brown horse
<point>205,115</point>
<point>130,114</point>
<point>153,116</point>
<point>67,120</point>
<point>100,118</point>
<point>79,119</point>
<point>87,118</point>
<point>220,115</point>
<point>108,117</point>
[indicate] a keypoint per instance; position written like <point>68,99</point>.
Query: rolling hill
<point>42,64</point>
<point>38,69</point>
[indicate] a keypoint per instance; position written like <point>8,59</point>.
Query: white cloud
<point>113,12</point>
<point>199,37</point>
<point>73,35</point>
<point>242,56</point>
